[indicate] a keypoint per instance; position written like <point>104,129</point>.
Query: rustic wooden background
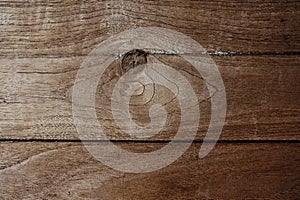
<point>43,43</point>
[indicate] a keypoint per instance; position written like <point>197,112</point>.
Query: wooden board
<point>262,98</point>
<point>38,28</point>
<point>231,171</point>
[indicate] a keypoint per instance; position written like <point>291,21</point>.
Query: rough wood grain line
<point>66,28</point>
<point>262,94</point>
<point>231,171</point>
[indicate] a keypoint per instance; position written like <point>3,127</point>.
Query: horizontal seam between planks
<point>147,141</point>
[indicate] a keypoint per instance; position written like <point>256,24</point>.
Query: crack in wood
<point>119,54</point>
<point>210,53</point>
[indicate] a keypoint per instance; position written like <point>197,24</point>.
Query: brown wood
<point>262,98</point>
<point>42,45</point>
<point>68,28</point>
<point>231,171</point>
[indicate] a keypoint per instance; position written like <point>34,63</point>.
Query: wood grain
<point>231,171</point>
<point>42,45</point>
<point>262,98</point>
<point>68,28</point>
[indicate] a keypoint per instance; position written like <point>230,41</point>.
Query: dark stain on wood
<point>132,59</point>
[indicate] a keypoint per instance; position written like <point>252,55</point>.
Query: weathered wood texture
<point>35,89</point>
<point>262,95</point>
<point>42,45</point>
<point>38,28</point>
<point>231,171</point>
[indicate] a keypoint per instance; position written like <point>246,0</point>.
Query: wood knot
<point>132,59</point>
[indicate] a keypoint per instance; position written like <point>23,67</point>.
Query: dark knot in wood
<point>132,59</point>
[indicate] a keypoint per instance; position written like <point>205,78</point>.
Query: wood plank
<point>262,98</point>
<point>230,171</point>
<point>65,29</point>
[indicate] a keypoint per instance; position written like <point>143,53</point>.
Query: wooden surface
<point>231,171</point>
<point>38,28</point>
<point>42,45</point>
<point>262,95</point>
